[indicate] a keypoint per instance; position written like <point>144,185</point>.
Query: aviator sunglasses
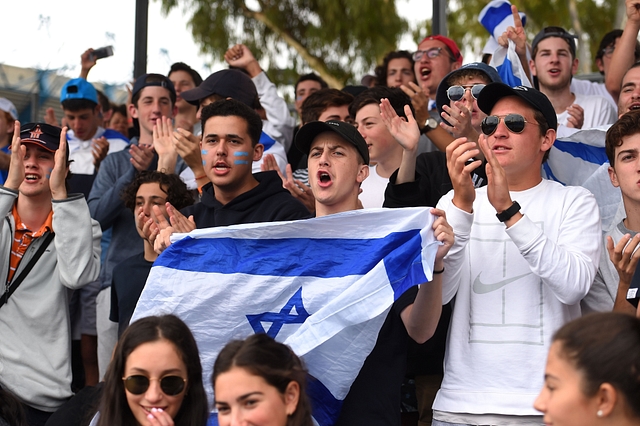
<point>515,123</point>
<point>455,93</point>
<point>170,385</point>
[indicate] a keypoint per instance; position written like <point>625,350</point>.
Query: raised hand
<point>240,56</point>
<point>576,116</point>
<point>419,100</point>
<point>459,118</point>
<point>461,155</point>
<point>100,148</point>
<point>497,185</point>
<point>443,233</point>
<point>60,169</point>
<point>16,166</point>
<point>141,156</point>
<point>406,132</point>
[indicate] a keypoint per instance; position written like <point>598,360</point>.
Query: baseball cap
<point>78,88</point>
<point>7,106</point>
<point>158,80</point>
<point>45,135</point>
<point>308,132</point>
<point>453,47</point>
<point>555,32</point>
<point>232,84</point>
<point>441,94</point>
<point>493,92</point>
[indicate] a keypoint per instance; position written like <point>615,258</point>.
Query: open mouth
<point>634,107</point>
<point>324,177</point>
<point>31,177</point>
<point>221,166</point>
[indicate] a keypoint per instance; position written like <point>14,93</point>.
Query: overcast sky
<point>46,35</point>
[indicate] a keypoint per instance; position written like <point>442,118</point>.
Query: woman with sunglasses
<point>155,377</point>
<point>592,375</point>
<point>261,382</point>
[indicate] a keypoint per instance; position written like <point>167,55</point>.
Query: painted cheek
<point>240,162</point>
<point>48,175</point>
<point>241,154</point>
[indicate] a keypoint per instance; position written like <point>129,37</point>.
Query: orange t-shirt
<point>23,238</point>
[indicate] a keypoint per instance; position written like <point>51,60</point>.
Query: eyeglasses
<point>432,53</point>
<point>608,51</point>
<point>455,93</point>
<point>515,123</point>
<point>170,385</point>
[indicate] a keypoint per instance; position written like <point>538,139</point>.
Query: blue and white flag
<point>495,18</point>
<point>510,69</point>
<point>574,158</point>
<point>323,286</point>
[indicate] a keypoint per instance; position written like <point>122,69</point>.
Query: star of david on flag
<point>322,286</point>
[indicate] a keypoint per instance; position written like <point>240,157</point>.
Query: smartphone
<point>103,52</point>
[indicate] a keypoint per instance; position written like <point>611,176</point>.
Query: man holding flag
<point>335,299</point>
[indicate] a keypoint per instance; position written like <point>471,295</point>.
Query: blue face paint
<point>204,163</point>
<point>240,162</point>
<point>48,175</point>
<point>203,152</point>
<point>241,154</point>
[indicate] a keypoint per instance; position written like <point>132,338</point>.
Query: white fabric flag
<point>323,286</point>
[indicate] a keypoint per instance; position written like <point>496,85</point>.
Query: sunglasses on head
<point>455,93</point>
<point>170,385</point>
<point>432,53</point>
<point>515,123</point>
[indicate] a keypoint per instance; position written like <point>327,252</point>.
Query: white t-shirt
<point>586,87</point>
<point>373,188</point>
<point>597,111</point>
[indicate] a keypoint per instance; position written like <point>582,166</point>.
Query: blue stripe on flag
<point>326,407</point>
<point>495,16</point>
<point>266,140</point>
<point>505,70</point>
<point>549,172</point>
<point>294,257</point>
<point>590,153</point>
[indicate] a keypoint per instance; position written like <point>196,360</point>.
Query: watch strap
<point>507,214</point>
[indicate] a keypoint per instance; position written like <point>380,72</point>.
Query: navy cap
<point>45,135</point>
<point>308,132</point>
<point>441,94</point>
<point>555,32</point>
<point>493,92</point>
<point>79,88</point>
<point>232,84</point>
<point>159,80</point>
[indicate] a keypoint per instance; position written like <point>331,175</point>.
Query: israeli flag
<point>575,157</point>
<point>322,286</point>
<point>507,62</point>
<point>496,17</point>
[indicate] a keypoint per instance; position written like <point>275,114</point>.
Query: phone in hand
<point>102,52</point>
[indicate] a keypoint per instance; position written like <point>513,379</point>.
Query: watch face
<point>431,123</point>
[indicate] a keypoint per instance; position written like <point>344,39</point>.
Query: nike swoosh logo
<point>481,288</point>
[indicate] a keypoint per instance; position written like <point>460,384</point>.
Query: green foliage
<point>347,37</point>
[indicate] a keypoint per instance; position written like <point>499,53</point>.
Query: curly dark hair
<point>381,70</point>
<point>177,193</point>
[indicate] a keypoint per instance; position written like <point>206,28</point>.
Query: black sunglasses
<point>170,385</point>
<point>455,93</point>
<point>515,123</point>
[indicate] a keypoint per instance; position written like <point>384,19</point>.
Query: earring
<point>599,413</point>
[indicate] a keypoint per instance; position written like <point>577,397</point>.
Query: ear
<point>363,173</point>
<point>606,398</point>
<point>455,65</point>
<point>174,111</point>
<point>613,177</point>
<point>532,66</point>
<point>574,67</point>
<point>600,64</point>
<point>133,111</point>
<point>291,397</point>
<point>258,150</point>
<point>548,140</point>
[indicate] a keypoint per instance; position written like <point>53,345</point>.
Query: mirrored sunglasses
<point>455,93</point>
<point>515,123</point>
<point>170,385</point>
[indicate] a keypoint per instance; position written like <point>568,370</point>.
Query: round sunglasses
<point>455,93</point>
<point>170,385</point>
<point>515,123</point>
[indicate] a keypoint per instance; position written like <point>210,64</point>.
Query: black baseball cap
<point>441,94</point>
<point>308,132</point>
<point>159,80</point>
<point>493,92</point>
<point>232,84</point>
<point>42,134</point>
<point>555,32</point>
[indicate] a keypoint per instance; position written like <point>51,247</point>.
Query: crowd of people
<point>526,272</point>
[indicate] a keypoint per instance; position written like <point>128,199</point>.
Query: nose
<point>468,98</point>
<point>153,394</point>
<point>146,209</point>
<point>198,113</point>
<point>236,418</point>
<point>540,404</point>
<point>501,130</point>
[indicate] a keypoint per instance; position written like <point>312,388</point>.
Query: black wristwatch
<point>507,214</point>
<point>431,124</point>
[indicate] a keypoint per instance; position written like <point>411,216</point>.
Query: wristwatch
<point>431,124</point>
<point>507,214</point>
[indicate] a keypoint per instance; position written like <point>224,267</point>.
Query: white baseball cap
<point>7,106</point>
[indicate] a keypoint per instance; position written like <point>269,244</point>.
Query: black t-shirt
<point>129,277</point>
<point>374,397</point>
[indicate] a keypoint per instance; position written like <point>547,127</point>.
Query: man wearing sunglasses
<point>526,252</point>
<point>554,63</point>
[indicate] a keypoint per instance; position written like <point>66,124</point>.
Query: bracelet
<point>200,177</point>
<point>438,272</point>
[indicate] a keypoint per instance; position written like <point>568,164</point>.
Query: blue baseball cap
<point>78,88</point>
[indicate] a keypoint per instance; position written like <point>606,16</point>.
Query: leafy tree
<point>336,38</point>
